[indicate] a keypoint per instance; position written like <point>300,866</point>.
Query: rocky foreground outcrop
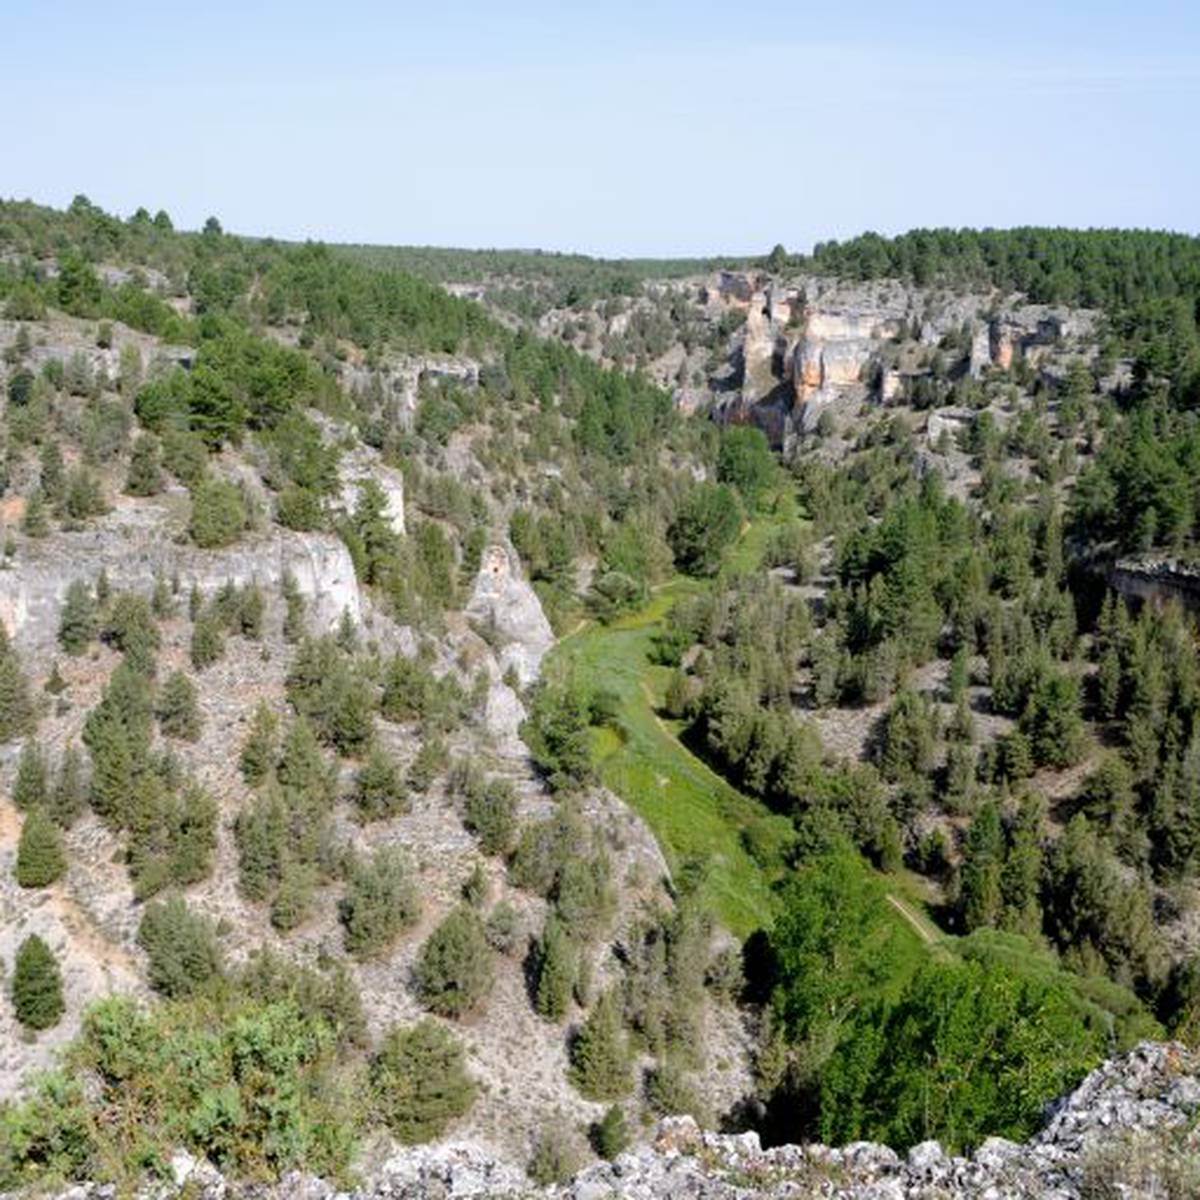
<point>1129,1129</point>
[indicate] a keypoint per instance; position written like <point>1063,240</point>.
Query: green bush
<point>380,901</point>
<point>218,513</point>
<point>491,814</point>
<point>378,788</point>
<point>419,1082</point>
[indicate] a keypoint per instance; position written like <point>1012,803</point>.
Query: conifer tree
<point>37,993</point>
<point>980,898</point>
<point>261,836</point>
<point>177,709</point>
<point>68,796</point>
<point>208,640</point>
<point>556,966</point>
<point>601,1064</point>
<point>261,745</point>
<point>454,970</point>
<point>77,624</point>
<point>293,620</point>
<point>145,468</point>
<point>41,859</point>
<point>30,789</point>
<point>35,522</point>
<point>16,705</point>
<point>419,1082</point>
<point>378,788</point>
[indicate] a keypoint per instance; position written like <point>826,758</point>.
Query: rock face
<point>508,613</point>
<point>353,472</point>
<point>31,594</point>
<point>819,342</point>
<point>1122,1132</point>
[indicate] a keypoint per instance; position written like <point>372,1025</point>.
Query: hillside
<point>689,688</point>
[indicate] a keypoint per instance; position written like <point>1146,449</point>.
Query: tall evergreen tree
<point>37,992</point>
<point>41,859</point>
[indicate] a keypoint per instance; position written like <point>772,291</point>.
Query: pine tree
<point>380,900</point>
<point>419,1082</point>
<point>610,1135</point>
<point>30,788</point>
<point>35,522</point>
<point>251,607</point>
<point>145,468</point>
<point>41,859</point>
<point>293,621</point>
<point>162,599</point>
<point>454,970</point>
<point>1021,877</point>
<point>113,772</point>
<point>294,900</point>
<point>77,624</point>
<point>68,797</point>
<point>177,709</point>
<point>103,587</point>
<point>261,836</point>
<point>379,792</point>
<point>980,898</point>
<point>16,705</point>
<point>37,993</point>
<point>208,640</point>
<point>261,745</point>
<point>556,965</point>
<point>601,1064</point>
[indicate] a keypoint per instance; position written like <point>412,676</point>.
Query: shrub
<point>379,902</point>
<point>208,640</point>
<point>145,468</point>
<point>40,856</point>
<point>181,947</point>
<point>378,789</point>
<point>294,900</point>
<point>419,1082</point>
<point>556,1155</point>
<point>454,971</point>
<point>669,1093</point>
<point>491,814</point>
<point>218,513</point>
<point>503,928</point>
<point>37,993</point>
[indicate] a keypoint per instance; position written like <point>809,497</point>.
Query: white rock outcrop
<point>506,610</point>
<point>32,591</point>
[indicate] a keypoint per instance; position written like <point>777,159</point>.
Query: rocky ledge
<point>1128,1130</point>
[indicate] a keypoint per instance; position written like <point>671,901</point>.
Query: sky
<point>620,128</point>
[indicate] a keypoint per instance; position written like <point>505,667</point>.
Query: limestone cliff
<point>32,591</point>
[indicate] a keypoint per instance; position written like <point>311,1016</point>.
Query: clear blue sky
<point>614,128</point>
